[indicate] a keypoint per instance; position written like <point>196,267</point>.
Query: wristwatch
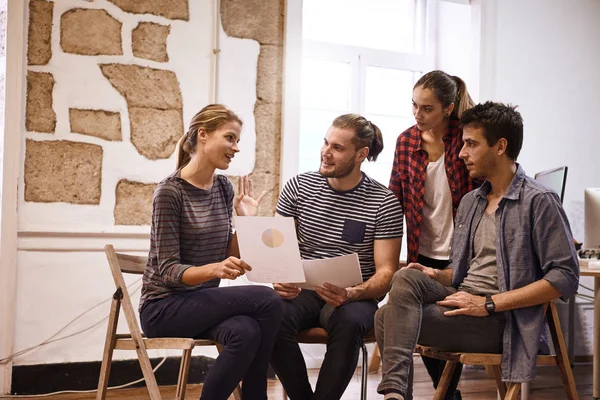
<point>490,306</point>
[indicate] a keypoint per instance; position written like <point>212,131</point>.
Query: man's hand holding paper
<point>334,295</point>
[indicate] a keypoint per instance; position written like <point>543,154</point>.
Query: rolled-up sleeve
<point>553,243</point>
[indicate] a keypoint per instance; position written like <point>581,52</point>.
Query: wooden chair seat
<point>475,358</point>
<point>135,340</point>
<point>508,391</point>
<point>126,342</point>
<point>319,336</point>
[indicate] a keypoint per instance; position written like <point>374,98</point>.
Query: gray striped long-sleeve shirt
<point>190,227</point>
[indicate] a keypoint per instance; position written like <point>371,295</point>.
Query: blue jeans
<point>243,319</point>
<point>346,327</point>
<point>434,367</point>
<point>411,316</point>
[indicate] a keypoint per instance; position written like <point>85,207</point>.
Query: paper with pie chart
<point>270,246</point>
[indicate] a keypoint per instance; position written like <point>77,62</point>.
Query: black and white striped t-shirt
<point>330,223</point>
<point>190,227</point>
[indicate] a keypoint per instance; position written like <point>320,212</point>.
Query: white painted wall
<point>454,39</point>
<point>543,55</point>
<point>61,268</point>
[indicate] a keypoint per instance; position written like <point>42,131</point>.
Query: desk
<point>584,271</point>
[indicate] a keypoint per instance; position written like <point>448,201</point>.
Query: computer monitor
<point>591,216</point>
<point>554,179</point>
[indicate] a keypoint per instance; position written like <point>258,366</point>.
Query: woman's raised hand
<point>244,203</point>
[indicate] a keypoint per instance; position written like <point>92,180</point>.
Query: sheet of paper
<point>269,245</point>
<point>342,271</point>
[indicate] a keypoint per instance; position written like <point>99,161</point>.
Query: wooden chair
<point>119,264</point>
<point>510,390</point>
<point>319,336</point>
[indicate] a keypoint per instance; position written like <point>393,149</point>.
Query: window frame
<point>359,58</point>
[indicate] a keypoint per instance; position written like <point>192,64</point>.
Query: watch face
<point>490,306</point>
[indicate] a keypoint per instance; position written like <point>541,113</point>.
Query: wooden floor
<point>474,385</point>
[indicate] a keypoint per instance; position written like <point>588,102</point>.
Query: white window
<point>362,57</point>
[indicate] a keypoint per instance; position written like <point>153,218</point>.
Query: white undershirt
<point>437,227</point>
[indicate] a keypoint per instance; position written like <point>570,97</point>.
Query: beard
<point>339,171</point>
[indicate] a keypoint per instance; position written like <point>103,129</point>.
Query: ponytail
<point>376,144</point>
<point>183,157</point>
<point>448,89</point>
<point>463,99</point>
<point>367,134</point>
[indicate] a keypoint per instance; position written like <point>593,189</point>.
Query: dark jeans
<point>411,316</point>
<point>434,367</point>
<point>346,327</point>
<point>243,319</point>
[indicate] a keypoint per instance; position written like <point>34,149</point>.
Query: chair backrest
<point>120,263</point>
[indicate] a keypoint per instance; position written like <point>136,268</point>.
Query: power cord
<point>52,340</point>
<point>15,396</point>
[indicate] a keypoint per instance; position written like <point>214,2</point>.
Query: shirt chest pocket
<point>354,231</point>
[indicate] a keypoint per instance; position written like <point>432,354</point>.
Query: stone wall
<point>152,120</point>
<point>262,20</point>
<point>70,171</point>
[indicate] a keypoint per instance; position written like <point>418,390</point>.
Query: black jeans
<point>434,367</point>
<point>346,327</point>
<point>244,319</point>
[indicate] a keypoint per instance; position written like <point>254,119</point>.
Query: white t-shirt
<point>437,227</point>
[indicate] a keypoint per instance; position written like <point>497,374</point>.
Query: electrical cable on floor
<point>51,338</point>
<point>585,296</point>
<point>586,288</point>
<point>15,396</point>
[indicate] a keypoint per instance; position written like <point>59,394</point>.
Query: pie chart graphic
<point>272,238</point>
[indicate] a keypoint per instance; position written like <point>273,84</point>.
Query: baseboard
<point>48,378</point>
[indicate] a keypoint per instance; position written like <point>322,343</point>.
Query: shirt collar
<point>514,189</point>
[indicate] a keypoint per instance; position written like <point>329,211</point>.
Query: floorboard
<point>474,385</point>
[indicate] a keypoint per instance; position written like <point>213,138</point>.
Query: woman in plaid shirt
<point>430,180</point>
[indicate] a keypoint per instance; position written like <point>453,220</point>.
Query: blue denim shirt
<point>533,242</point>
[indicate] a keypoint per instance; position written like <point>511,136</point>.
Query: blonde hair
<point>209,119</point>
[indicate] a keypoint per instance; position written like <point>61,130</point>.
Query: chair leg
<point>562,356</point>
<point>364,371</point>
<point>442,387</point>
<point>237,392</point>
<point>497,372</point>
<point>147,371</point>
<point>184,370</point>
<point>375,360</point>
<point>513,391</point>
<point>109,346</point>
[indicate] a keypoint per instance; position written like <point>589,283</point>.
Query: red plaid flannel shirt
<point>407,180</point>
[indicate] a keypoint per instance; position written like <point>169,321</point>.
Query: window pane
<point>325,85</point>
<point>391,128</point>
<point>378,24</point>
<point>389,91</point>
<point>313,127</point>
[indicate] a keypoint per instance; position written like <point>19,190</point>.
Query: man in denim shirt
<point>512,251</point>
